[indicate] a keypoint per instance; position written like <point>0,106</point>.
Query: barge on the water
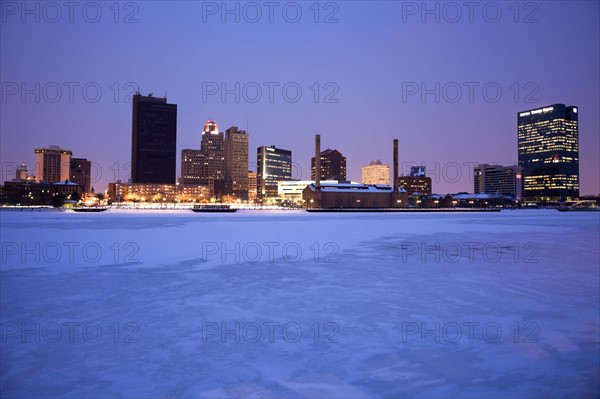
<point>213,208</point>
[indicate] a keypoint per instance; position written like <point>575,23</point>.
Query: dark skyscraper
<point>274,164</point>
<point>549,152</point>
<point>81,170</point>
<point>333,165</point>
<point>154,140</point>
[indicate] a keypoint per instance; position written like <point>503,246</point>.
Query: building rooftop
<point>150,98</point>
<point>354,187</point>
<point>481,196</point>
<point>53,148</point>
<point>65,183</point>
<point>376,162</point>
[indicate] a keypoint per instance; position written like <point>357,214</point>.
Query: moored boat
<point>580,209</point>
<point>213,208</point>
<point>90,208</point>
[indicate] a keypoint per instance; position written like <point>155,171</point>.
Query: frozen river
<point>292,304</point>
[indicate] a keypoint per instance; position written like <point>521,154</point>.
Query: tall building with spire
<point>548,141</point>
<point>213,148</point>
<point>205,166</point>
<point>211,127</point>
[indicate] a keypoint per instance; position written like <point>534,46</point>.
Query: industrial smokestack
<point>395,165</point>
<point>317,160</point>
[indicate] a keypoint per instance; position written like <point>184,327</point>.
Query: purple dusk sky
<point>357,63</point>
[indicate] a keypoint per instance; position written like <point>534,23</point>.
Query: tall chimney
<point>395,165</point>
<point>317,160</point>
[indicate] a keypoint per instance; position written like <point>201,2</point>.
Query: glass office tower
<point>549,152</point>
<point>274,164</point>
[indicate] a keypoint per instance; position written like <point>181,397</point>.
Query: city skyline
<point>383,95</point>
<point>211,132</point>
<point>300,199</point>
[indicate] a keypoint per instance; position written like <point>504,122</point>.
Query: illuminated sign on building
<point>538,111</point>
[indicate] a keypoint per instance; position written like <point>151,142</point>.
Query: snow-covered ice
<point>292,304</point>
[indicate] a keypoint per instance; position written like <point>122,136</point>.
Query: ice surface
<point>202,294</point>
